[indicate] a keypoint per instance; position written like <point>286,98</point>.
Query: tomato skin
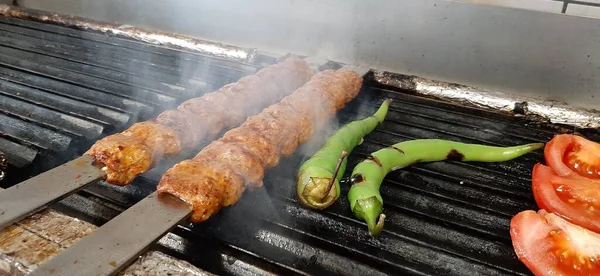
<point>528,232</point>
<point>554,152</point>
<point>547,198</point>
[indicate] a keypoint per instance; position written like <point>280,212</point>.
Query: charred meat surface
<point>137,149</point>
<point>219,174</point>
<point>123,157</point>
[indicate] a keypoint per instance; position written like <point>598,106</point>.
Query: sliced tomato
<point>573,197</point>
<point>569,154</point>
<point>550,245</point>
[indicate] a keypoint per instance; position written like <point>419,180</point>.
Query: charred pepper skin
<point>365,200</point>
<point>318,180</point>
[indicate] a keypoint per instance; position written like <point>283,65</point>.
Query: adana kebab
<point>215,178</point>
<point>136,150</point>
<point>120,157</point>
<point>219,174</point>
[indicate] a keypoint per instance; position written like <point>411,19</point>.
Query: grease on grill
<point>454,155</point>
<point>521,108</point>
<point>537,109</point>
<point>3,165</point>
<point>124,31</point>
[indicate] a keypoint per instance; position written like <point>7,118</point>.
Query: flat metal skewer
<point>36,193</point>
<point>120,241</point>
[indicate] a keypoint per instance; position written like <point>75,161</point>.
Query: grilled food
<point>219,174</point>
<point>136,150</point>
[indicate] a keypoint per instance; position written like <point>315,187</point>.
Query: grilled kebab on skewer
<point>220,173</point>
<point>136,150</point>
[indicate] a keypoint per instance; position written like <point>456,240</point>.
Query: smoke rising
<point>357,109</point>
<point>180,76</point>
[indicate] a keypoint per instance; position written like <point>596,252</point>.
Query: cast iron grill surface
<point>445,218</point>
<point>61,89</point>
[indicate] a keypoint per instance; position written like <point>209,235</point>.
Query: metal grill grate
<point>62,88</point>
<point>446,218</point>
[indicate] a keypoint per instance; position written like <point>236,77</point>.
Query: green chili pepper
<point>318,181</point>
<point>365,200</point>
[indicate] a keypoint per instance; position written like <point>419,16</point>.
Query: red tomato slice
<point>569,154</point>
<point>555,150</point>
<point>573,197</point>
<point>549,245</point>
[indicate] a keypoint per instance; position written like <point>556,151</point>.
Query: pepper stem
<point>335,173</point>
<point>369,209</point>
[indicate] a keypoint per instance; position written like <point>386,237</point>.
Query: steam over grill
<point>61,89</point>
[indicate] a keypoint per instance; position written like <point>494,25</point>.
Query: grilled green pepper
<point>365,200</point>
<point>318,181</point>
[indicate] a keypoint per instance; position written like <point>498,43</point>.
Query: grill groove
<point>62,88</point>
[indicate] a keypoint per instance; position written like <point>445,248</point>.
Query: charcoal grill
<point>62,88</point>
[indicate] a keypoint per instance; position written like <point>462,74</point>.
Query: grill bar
<point>105,116</point>
<point>87,81</point>
<point>33,134</point>
<point>17,155</point>
<point>102,73</point>
<point>76,92</point>
<point>90,56</point>
<point>48,117</point>
<point>100,68</point>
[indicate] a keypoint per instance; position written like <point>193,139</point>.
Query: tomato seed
<point>581,260</point>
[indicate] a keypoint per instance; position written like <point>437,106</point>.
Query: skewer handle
<point>38,192</point>
<point>120,241</point>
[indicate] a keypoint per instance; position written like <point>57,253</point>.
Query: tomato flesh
<point>578,191</point>
<point>583,157</point>
<point>574,198</point>
<point>550,245</point>
<point>569,154</point>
